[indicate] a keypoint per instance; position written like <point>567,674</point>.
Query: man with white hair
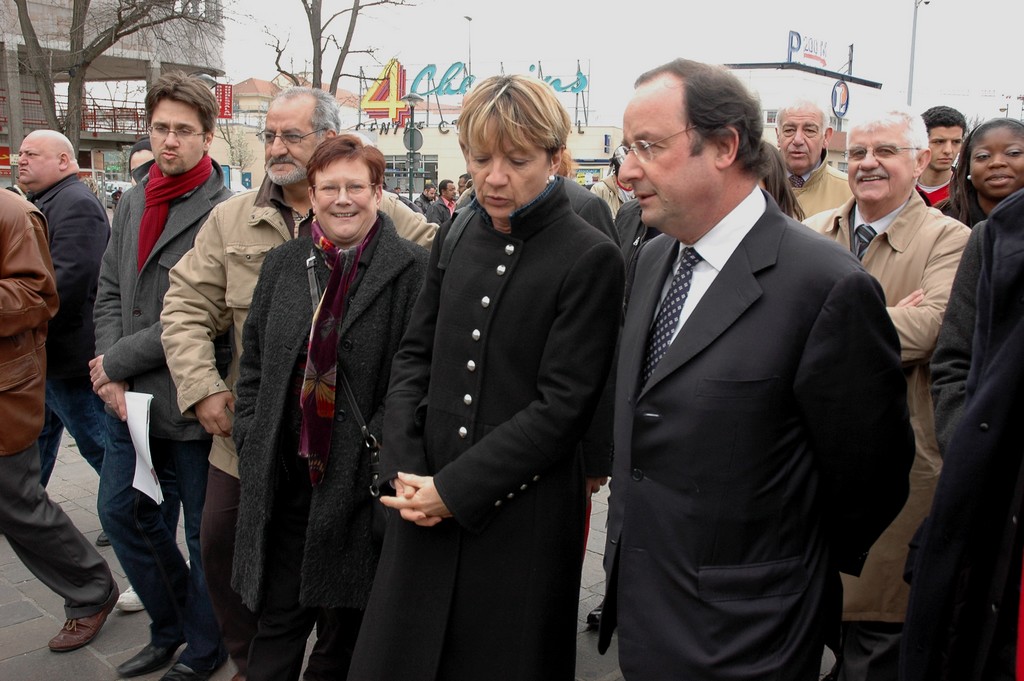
<point>209,294</point>
<point>78,235</point>
<point>804,134</point>
<point>913,251</point>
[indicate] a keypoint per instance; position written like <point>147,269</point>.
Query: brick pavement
<point>30,614</point>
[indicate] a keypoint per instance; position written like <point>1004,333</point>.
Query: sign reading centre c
<point>840,98</point>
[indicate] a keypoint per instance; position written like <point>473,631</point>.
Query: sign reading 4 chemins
<point>383,99</point>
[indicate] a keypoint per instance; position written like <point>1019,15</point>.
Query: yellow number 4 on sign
<point>383,98</point>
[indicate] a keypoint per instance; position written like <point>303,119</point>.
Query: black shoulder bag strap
<point>462,218</point>
<point>369,441</point>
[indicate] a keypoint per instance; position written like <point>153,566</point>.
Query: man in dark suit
<point>78,233</point>
<point>761,433</point>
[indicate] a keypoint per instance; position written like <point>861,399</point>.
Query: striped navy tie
<point>862,236</point>
<point>660,337</point>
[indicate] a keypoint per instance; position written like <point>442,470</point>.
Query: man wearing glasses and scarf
<point>154,225</point>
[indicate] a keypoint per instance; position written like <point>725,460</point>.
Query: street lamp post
<point>469,65</point>
<point>913,49</point>
<point>413,137</point>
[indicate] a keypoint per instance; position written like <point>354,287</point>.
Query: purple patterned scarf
<point>320,380</point>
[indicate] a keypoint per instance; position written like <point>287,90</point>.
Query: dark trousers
<point>217,542</point>
<point>47,542</point>
<point>175,594</point>
<point>871,651</point>
<point>71,404</point>
<point>284,623</point>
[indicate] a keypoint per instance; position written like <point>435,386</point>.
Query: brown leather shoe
<point>79,632</point>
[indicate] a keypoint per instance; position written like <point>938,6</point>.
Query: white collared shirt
<point>879,225</point>
<point>715,248</point>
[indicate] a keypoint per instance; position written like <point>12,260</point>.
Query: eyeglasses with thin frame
<point>289,138</point>
<point>161,132</point>
<point>644,150</point>
<point>882,152</point>
<point>352,190</point>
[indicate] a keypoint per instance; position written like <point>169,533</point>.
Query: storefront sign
<point>383,99</point>
<point>224,100</point>
<point>840,98</point>
<point>806,49</point>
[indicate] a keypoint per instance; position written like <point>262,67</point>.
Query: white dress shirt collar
<point>879,225</point>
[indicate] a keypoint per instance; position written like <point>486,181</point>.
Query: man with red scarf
<point>155,223</point>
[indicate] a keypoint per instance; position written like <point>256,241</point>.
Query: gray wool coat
<point>129,301</point>
<point>340,558</point>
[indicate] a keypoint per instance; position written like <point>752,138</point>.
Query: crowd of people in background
<point>372,413</point>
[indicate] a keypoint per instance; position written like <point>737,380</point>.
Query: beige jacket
<point>826,189</point>
<point>608,189</point>
<point>921,249</point>
<point>211,288</point>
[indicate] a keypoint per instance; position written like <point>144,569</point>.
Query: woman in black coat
<point>304,527</point>
<point>491,392</point>
<point>962,619</point>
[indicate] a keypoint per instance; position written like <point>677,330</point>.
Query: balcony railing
<point>98,115</point>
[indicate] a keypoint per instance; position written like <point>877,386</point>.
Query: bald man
<point>78,235</point>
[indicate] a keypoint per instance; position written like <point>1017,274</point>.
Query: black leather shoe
<point>102,540</point>
<point>181,672</point>
<point>147,660</point>
<point>594,617</point>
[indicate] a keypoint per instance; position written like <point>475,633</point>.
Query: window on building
<point>396,172</point>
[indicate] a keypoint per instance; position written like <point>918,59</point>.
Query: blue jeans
<point>175,595</point>
<point>71,404</point>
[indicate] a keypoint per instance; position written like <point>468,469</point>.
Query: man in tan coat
<point>913,251</point>
<point>804,134</point>
<point>210,291</point>
<point>611,190</point>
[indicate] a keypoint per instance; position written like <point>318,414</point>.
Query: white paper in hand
<point>138,425</point>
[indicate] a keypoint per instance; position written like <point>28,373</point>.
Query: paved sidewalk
<point>30,614</point>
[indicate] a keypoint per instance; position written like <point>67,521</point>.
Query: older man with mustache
<point>913,251</point>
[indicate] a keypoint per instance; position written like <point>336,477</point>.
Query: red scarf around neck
<point>160,191</point>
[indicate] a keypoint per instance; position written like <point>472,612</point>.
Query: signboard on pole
<point>225,99</point>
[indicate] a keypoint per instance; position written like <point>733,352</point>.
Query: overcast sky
<point>964,47</point>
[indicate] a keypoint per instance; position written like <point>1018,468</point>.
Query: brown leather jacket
<point>28,299</point>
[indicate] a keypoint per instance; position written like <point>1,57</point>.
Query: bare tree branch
<point>321,37</point>
<point>240,154</point>
<point>279,51</point>
<point>92,32</point>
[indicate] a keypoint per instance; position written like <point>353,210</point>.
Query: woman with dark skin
<point>991,168</point>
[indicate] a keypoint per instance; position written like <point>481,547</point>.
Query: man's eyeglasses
<point>882,152</point>
<point>161,132</point>
<point>644,150</point>
<point>289,138</point>
<point>352,189</point>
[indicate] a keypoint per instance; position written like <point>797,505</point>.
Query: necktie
<point>862,236</point>
<point>668,316</point>
<point>797,181</point>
